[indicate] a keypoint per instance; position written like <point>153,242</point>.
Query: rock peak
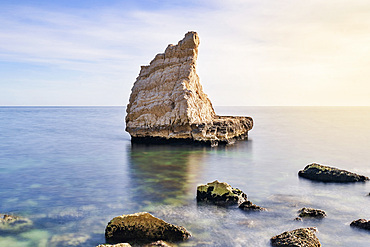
<point>167,101</point>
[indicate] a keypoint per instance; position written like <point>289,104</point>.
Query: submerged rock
<point>249,206</point>
<point>13,222</point>
<point>70,239</point>
<point>167,102</point>
<point>220,193</point>
<point>311,212</point>
<point>330,174</point>
<point>299,237</point>
<point>143,227</point>
<point>361,223</point>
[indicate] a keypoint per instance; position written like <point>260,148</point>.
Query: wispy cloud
<point>252,52</point>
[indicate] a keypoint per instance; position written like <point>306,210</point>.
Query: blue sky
<point>252,52</point>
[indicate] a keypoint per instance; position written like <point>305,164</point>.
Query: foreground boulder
<point>13,222</point>
<point>143,227</point>
<point>361,223</point>
<point>249,206</point>
<point>330,174</point>
<point>220,193</point>
<point>311,213</point>
<point>167,102</point>
<point>300,237</point>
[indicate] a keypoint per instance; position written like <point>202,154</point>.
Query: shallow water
<point>72,169</point>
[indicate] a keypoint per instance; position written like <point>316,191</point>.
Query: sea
<point>70,170</point>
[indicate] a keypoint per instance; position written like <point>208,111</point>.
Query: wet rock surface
<point>361,223</point>
<point>167,102</point>
<point>249,206</point>
<point>220,193</point>
<point>311,213</point>
<point>302,237</point>
<point>143,227</point>
<point>13,222</point>
<point>323,173</point>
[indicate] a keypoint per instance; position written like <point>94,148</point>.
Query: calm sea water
<point>72,169</point>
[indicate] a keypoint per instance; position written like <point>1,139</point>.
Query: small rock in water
<point>330,174</point>
<point>249,206</point>
<point>361,223</point>
<point>298,219</point>
<point>311,212</point>
<point>13,222</point>
<point>143,227</point>
<point>220,193</point>
<point>115,245</point>
<point>297,238</point>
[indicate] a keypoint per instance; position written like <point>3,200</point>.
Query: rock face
<point>220,193</point>
<point>249,206</point>
<point>167,102</point>
<point>143,227</point>
<point>330,174</point>
<point>361,223</point>
<point>311,212</point>
<point>300,237</point>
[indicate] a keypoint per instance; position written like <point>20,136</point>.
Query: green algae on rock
<point>297,238</point>
<point>220,193</point>
<point>311,212</point>
<point>143,227</point>
<point>323,173</point>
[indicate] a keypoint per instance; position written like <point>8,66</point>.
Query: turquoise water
<point>72,169</point>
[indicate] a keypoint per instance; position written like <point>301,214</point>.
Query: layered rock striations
<point>167,102</point>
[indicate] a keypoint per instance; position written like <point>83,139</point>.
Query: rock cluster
<point>167,102</point>
<point>361,223</point>
<point>297,238</point>
<point>143,227</point>
<point>330,174</point>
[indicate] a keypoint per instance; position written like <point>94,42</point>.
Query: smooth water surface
<point>72,169</point>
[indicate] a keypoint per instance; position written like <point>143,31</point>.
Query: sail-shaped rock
<point>167,102</point>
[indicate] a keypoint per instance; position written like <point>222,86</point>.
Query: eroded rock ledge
<point>167,102</point>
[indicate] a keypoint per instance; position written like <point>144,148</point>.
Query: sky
<point>252,52</point>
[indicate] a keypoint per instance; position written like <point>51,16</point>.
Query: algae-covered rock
<point>311,212</point>
<point>249,206</point>
<point>143,227</point>
<point>220,193</point>
<point>297,238</point>
<point>330,174</point>
<point>361,223</point>
<point>13,222</point>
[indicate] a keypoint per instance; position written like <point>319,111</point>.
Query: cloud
<point>252,52</point>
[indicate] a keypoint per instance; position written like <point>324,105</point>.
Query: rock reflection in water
<point>163,173</point>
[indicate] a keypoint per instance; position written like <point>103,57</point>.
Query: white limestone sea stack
<point>167,102</point>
